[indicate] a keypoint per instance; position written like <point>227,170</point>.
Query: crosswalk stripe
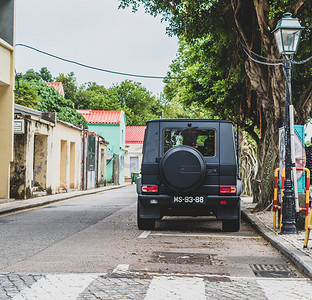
<point>60,286</point>
<point>164,287</point>
<point>144,234</point>
<point>286,289</point>
<point>212,236</point>
<point>121,268</point>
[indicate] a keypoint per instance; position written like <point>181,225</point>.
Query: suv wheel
<point>182,168</point>
<point>144,224</point>
<point>232,225</point>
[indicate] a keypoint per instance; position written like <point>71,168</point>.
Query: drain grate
<point>275,271</point>
<point>182,258</point>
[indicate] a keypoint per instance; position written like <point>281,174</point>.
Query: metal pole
<point>293,155</point>
<point>288,221</point>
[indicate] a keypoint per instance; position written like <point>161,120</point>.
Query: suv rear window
<point>201,139</point>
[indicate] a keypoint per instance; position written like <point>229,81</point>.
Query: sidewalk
<point>291,245</point>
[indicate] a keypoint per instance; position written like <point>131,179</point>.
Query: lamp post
<point>287,34</point>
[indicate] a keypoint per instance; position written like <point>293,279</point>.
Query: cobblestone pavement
<point>140,285</point>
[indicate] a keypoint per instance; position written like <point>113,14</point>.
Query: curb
<point>20,205</point>
<point>299,258</point>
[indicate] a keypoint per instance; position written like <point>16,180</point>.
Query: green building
<point>112,126</point>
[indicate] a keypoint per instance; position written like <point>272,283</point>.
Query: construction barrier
<point>309,227</point>
<point>275,204</point>
<point>277,207</point>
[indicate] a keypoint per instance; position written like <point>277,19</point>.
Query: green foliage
<point>43,75</point>
<point>34,93</point>
<point>135,100</point>
<point>25,94</point>
<point>211,63</point>
<point>138,103</point>
<point>46,75</point>
<point>206,83</point>
<point>69,84</point>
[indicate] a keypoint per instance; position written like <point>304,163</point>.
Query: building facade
<point>47,154</point>
<point>134,146</point>
<point>6,93</point>
<point>94,155</point>
<point>112,126</point>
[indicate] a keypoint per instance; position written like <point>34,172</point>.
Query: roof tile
<point>135,134</point>
<point>58,87</point>
<point>102,116</point>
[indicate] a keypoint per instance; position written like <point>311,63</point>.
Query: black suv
<point>189,168</point>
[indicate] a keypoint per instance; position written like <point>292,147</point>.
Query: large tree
<point>259,90</point>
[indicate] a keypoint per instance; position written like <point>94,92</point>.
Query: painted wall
<point>6,93</point>
<point>308,131</point>
<point>47,157</point>
<point>115,135</point>
<point>31,157</point>
<point>102,156</point>
<point>64,164</point>
<point>133,151</point>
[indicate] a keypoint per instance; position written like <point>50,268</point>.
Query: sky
<point>96,33</point>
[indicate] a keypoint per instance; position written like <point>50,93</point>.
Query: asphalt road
<point>91,248</point>
<point>26,233</point>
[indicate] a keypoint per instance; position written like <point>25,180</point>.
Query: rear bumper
<point>164,206</point>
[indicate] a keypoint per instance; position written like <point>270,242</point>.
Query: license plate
<point>189,199</point>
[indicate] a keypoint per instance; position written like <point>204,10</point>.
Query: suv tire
<point>232,225</point>
<point>144,224</point>
<point>182,168</point>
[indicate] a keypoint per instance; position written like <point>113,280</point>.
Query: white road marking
<point>286,289</point>
<point>144,234</point>
<point>172,288</point>
<point>206,235</point>
<point>59,286</point>
<point>121,268</point>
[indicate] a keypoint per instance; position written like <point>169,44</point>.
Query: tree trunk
<point>269,84</point>
<point>268,157</point>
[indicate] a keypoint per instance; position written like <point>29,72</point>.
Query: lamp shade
<point>287,34</point>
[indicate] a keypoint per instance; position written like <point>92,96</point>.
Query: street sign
<point>19,126</point>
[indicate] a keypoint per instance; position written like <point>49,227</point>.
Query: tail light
<point>227,189</point>
<point>149,188</point>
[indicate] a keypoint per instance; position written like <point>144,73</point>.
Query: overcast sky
<point>96,33</point>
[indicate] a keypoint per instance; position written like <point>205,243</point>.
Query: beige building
<point>47,154</point>
<point>6,93</point>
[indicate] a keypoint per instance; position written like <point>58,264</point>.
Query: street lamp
<point>287,34</point>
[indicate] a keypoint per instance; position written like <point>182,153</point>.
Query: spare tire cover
<point>182,168</point>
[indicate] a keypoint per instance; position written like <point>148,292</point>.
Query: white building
<point>134,147</point>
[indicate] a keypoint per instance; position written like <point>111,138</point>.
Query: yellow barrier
<point>277,207</point>
<point>309,227</point>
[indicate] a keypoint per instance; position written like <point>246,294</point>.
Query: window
<point>201,139</point>
<point>7,21</point>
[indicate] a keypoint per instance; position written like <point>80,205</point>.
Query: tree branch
<point>296,7</point>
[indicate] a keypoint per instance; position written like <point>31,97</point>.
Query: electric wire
<point>258,55</point>
<point>91,67</point>
<point>262,62</point>
<point>245,48</point>
<point>303,61</point>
